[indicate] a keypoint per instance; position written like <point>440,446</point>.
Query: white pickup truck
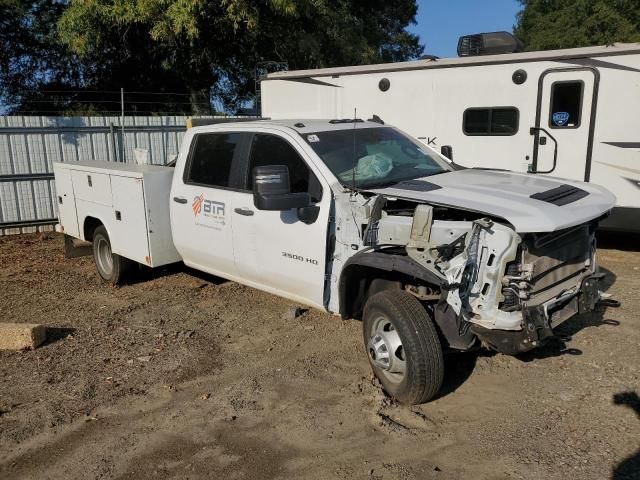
<point>355,218</point>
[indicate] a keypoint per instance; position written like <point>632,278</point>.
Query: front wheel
<point>111,267</point>
<point>403,346</point>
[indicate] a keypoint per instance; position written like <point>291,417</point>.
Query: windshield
<point>374,157</point>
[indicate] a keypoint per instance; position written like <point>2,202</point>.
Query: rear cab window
<point>211,159</point>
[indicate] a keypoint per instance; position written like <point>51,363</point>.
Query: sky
<point>441,22</point>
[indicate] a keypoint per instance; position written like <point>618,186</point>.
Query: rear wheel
<point>111,267</point>
<point>403,346</point>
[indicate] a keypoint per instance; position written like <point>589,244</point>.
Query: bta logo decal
<point>208,208</point>
<point>196,206</point>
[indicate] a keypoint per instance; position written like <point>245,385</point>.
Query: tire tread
<point>427,368</point>
<point>121,265</point>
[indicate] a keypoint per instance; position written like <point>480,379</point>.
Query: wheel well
<point>90,225</point>
<point>359,282</point>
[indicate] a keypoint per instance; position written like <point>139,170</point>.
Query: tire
<point>396,325</point>
<point>111,267</point>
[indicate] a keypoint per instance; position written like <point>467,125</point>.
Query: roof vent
<point>493,43</point>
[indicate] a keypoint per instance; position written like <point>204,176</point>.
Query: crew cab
<point>360,220</point>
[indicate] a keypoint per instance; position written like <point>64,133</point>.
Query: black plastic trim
<point>417,185</point>
<point>386,262</point>
<point>533,131</point>
<point>562,195</point>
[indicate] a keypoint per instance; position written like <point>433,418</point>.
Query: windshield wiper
<point>390,183</point>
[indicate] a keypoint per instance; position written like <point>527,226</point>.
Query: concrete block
<point>21,336</point>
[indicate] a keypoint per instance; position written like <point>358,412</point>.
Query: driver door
<point>274,250</point>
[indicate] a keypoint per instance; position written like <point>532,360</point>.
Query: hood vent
<point>562,195</point>
<point>417,185</point>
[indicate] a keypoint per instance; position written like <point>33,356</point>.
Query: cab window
<point>211,159</point>
<point>273,150</point>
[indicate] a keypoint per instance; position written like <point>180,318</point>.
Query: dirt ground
<point>179,375</point>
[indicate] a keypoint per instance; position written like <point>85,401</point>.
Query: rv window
<point>491,121</point>
<point>566,104</point>
<point>476,121</point>
<point>504,121</point>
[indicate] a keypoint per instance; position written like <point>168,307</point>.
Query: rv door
<point>565,116</point>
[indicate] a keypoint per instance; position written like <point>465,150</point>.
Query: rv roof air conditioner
<point>492,43</point>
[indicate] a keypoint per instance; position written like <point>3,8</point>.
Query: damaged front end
<point>505,289</point>
<point>553,278</point>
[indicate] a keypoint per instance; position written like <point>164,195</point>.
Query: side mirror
<point>271,190</point>
<point>447,151</point>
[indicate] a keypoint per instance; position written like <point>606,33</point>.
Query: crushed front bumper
<point>539,321</point>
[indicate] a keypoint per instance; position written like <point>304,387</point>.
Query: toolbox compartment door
<point>92,187</point>
<point>129,223</point>
<point>67,215</point>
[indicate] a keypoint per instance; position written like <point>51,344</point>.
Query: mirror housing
<point>308,214</point>
<point>272,191</point>
<point>447,151</point>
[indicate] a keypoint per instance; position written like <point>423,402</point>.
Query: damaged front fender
<point>475,276</point>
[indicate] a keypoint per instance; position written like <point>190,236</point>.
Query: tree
<point>553,24</point>
<point>31,58</point>
<point>209,49</point>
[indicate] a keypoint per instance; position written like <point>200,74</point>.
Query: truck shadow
<point>206,277</point>
<point>560,344</point>
<point>458,367</point>
<point>144,274</point>
<point>629,468</point>
<point>629,242</point>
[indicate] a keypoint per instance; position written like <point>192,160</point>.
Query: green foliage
<point>553,24</point>
<point>219,43</point>
<point>210,49</point>
<point>31,57</point>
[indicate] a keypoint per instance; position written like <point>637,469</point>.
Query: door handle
<point>180,200</point>
<point>536,132</point>
<point>244,211</point>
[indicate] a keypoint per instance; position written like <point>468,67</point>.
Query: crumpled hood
<point>508,195</point>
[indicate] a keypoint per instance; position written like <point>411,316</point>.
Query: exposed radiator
<point>560,261</point>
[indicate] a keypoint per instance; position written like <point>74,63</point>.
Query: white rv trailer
<point>571,113</point>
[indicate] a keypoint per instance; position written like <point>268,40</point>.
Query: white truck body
<point>439,101</point>
<point>130,200</point>
<point>331,213</point>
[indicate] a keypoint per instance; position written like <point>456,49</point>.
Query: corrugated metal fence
<point>29,146</point>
